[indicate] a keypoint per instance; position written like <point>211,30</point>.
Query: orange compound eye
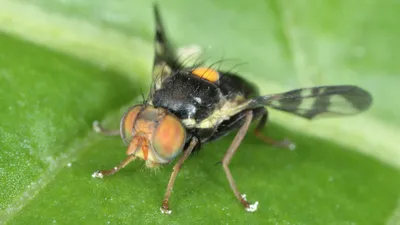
<point>169,137</point>
<point>207,74</point>
<point>127,122</point>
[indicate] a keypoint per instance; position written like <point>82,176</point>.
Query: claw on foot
<point>249,207</point>
<point>287,144</point>
<point>252,207</point>
<point>165,210</point>
<point>97,174</point>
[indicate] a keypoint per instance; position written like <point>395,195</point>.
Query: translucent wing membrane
<point>323,101</point>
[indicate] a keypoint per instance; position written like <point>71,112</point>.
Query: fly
<point>171,122</point>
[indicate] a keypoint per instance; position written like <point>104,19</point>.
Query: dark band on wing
<point>165,60</point>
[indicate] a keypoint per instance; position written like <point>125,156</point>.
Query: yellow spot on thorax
<point>206,73</point>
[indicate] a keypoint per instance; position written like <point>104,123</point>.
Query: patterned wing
<point>323,101</point>
<point>165,59</point>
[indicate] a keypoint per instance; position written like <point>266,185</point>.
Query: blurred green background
<point>65,63</point>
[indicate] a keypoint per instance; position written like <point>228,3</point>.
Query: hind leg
<point>263,113</point>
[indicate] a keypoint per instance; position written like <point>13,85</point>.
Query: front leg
<point>165,206</point>
<point>287,144</point>
<point>102,173</point>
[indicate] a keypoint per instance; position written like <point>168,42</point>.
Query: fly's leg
<point>102,173</point>
<point>98,128</point>
<point>279,143</point>
<point>165,208</point>
<point>228,156</point>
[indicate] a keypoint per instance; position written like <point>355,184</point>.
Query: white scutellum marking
<point>96,126</point>
<point>69,164</point>
<point>252,207</point>
<point>97,174</point>
<point>163,211</point>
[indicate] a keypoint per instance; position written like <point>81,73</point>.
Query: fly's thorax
<point>153,134</point>
<point>187,96</point>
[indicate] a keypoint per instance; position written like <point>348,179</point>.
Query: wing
<point>323,101</point>
<point>165,59</point>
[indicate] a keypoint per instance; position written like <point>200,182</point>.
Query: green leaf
<point>64,64</point>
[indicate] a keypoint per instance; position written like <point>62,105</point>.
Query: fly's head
<point>153,134</point>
